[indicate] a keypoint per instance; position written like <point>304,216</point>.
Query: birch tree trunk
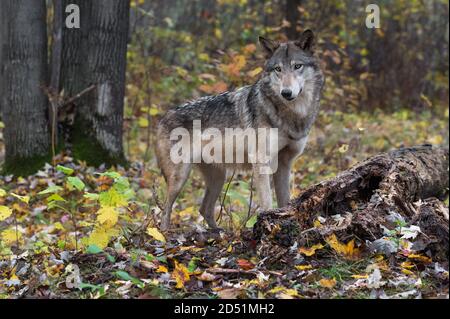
<point>97,134</point>
<point>24,71</point>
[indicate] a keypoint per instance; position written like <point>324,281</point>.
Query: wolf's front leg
<point>262,185</point>
<point>281,182</point>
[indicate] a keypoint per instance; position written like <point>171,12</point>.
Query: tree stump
<point>409,183</point>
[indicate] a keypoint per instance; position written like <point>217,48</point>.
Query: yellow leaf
<point>9,236</point>
<point>317,223</point>
<point>187,211</point>
<point>407,265</point>
<point>309,251</point>
<point>107,216</point>
<point>343,148</point>
<point>303,267</point>
<point>436,140</point>
<point>255,72</point>
<point>327,283</point>
<point>154,110</point>
<point>347,250</point>
<point>2,192</point>
<point>276,290</point>
<point>143,122</point>
<point>421,258</point>
<point>5,212</point>
<point>203,57</point>
<point>407,272</point>
<point>180,274</point>
<point>99,237</point>
<point>365,276</point>
<point>155,233</point>
<point>162,268</point>
<point>24,199</point>
<point>218,33</point>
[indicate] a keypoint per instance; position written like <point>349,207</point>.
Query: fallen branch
<point>359,202</point>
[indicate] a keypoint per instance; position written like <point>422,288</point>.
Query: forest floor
<point>73,231</point>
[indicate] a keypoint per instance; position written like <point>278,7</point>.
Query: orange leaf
<point>245,264</point>
<point>327,283</point>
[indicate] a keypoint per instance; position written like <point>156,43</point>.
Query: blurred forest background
<point>385,88</point>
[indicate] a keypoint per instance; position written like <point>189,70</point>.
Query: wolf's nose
<point>287,94</point>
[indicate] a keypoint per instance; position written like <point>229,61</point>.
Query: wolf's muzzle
<point>287,94</point>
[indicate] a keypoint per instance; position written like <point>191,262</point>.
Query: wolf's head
<point>290,66</point>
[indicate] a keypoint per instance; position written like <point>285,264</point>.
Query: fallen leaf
<point>309,251</point>
<point>155,233</point>
<point>327,283</point>
<point>347,250</point>
<point>180,274</point>
<point>229,293</point>
<point>245,264</point>
<point>303,267</point>
<point>5,212</point>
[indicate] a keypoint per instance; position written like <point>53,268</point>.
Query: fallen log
<point>406,184</point>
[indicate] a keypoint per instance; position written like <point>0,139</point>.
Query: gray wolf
<point>286,97</point>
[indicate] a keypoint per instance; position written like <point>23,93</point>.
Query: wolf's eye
<point>278,69</point>
<point>298,66</point>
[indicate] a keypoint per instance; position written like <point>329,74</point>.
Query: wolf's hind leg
<point>214,180</point>
<point>175,182</point>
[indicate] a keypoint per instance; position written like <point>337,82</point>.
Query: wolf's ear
<point>306,41</point>
<point>269,46</point>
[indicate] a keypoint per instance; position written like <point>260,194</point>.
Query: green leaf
<point>111,174</point>
<point>65,170</point>
<point>93,249</point>
<point>110,258</point>
<point>76,182</point>
<point>112,198</point>
<point>93,287</point>
<point>91,196</point>
<point>55,198</point>
<point>51,189</point>
<point>192,264</point>
<point>251,221</point>
<point>124,275</point>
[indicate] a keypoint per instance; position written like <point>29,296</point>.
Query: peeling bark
<point>408,181</point>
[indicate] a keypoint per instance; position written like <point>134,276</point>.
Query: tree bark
<point>408,182</point>
<point>24,71</point>
<point>97,135</point>
<point>292,15</point>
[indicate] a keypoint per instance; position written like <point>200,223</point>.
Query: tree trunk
<point>292,15</point>
<point>24,71</point>
<point>406,182</point>
<point>97,134</point>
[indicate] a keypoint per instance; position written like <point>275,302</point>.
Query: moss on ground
<point>87,148</point>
